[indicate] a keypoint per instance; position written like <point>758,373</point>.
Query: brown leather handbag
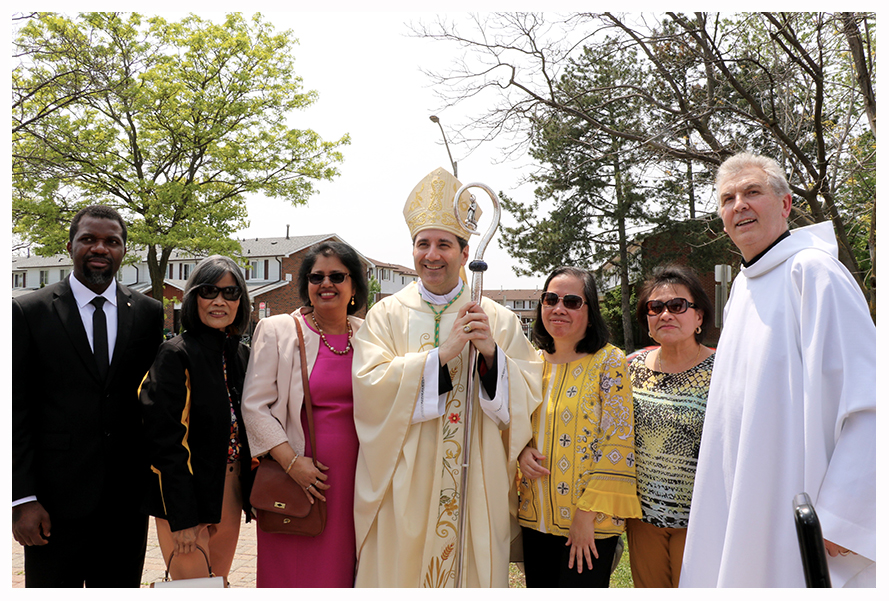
<point>281,504</point>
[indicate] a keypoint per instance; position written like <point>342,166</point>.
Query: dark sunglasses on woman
<point>570,301</point>
<point>336,277</point>
<point>674,305</point>
<point>209,292</point>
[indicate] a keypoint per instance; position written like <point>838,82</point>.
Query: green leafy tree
<point>590,177</point>
<point>180,121</point>
<point>373,288</point>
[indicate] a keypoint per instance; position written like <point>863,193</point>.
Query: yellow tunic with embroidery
<point>407,482</point>
<point>585,430</point>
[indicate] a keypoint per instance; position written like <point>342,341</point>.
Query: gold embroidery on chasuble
<point>441,569</point>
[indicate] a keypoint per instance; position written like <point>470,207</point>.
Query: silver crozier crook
<point>477,267</point>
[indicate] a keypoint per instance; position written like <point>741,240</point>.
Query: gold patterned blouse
<point>585,429</point>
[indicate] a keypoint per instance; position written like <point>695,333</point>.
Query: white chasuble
<point>791,409</point>
<point>407,483</point>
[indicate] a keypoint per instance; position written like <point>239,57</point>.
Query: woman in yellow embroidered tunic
<point>578,473</point>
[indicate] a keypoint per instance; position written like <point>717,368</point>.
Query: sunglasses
<point>570,301</point>
<point>675,306</point>
<point>336,277</point>
<point>209,292</point>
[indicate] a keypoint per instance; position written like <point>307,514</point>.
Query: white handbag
<point>210,581</point>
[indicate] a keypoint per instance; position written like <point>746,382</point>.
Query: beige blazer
<point>273,387</point>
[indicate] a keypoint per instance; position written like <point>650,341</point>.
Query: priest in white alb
<point>409,380</point>
<point>792,403</point>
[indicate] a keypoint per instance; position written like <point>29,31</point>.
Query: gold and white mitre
<point>430,205</point>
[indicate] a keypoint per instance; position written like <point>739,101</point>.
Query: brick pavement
<point>242,575</point>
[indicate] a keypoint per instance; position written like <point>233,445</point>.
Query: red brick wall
<point>285,299</point>
<point>675,250</point>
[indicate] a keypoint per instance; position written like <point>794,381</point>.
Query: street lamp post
<point>434,119</point>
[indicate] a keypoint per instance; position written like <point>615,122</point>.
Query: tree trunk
<point>862,71</point>
<point>157,270</point>
<point>620,215</point>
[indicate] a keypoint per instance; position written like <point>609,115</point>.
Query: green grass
<point>621,578</point>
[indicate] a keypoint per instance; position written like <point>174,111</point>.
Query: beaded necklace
<point>438,313</point>
<point>324,338</point>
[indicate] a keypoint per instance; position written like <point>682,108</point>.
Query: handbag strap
<point>307,395</point>
<point>170,563</point>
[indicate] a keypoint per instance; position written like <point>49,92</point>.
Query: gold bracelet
<point>292,461</point>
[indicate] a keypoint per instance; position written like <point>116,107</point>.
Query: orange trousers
<point>655,554</point>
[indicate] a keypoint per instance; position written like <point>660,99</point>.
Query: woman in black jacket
<point>191,406</point>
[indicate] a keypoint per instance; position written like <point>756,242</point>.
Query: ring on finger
<point>310,486</point>
<point>467,328</point>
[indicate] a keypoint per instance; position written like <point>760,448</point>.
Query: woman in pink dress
<point>332,283</point>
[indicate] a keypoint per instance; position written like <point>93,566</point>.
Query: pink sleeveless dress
<point>327,560</point>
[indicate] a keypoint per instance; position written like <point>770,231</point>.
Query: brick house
<point>522,302</point>
<point>271,267</point>
<point>695,244</point>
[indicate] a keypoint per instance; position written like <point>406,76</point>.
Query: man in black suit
<point>80,349</point>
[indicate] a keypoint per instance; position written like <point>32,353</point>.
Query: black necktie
<point>100,336</point>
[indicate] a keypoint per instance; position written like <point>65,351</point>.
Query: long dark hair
<point>597,334</point>
<point>210,271</point>
<point>349,258</point>
<point>677,275</point>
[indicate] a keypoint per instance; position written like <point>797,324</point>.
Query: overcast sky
<point>366,68</point>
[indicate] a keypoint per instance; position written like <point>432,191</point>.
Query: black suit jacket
<point>74,437</point>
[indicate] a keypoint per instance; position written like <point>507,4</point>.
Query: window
<point>44,277</point>
<point>186,271</point>
<point>63,273</point>
<point>18,280</point>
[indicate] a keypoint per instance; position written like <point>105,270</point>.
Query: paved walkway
<point>242,575</point>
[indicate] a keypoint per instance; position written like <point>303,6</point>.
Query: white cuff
<point>430,404</point>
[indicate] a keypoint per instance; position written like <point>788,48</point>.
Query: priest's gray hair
<point>774,174</point>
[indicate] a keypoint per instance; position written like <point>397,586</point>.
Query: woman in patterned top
<point>578,473</point>
<point>670,386</point>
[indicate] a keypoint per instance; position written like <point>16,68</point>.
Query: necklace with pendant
<point>324,338</point>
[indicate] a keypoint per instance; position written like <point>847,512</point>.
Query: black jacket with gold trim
<point>187,423</point>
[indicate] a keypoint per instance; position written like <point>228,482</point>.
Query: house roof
<point>60,260</point>
<point>250,247</point>
<point>274,247</point>
<point>521,294</point>
<point>401,269</point>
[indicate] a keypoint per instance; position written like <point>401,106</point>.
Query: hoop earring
<point>698,331</point>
